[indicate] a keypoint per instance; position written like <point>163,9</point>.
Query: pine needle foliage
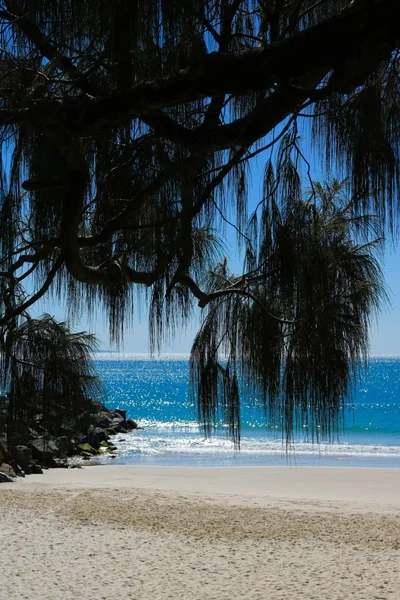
<point>128,129</point>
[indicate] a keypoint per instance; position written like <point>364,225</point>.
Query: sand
<point>117,532</point>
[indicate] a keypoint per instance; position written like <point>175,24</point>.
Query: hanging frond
<point>294,331</point>
<point>47,369</point>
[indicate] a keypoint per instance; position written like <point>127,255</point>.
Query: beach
<point>262,533</point>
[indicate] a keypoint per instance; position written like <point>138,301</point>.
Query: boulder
<point>96,436</point>
<point>98,406</point>
<point>7,470</point>
<point>20,470</point>
<point>121,412</point>
<point>43,450</point>
<point>87,451</point>
<point>5,478</point>
<point>3,452</point>
<point>108,447</point>
<point>35,469</point>
<point>78,438</point>
<point>59,463</point>
<point>120,429</point>
<point>131,424</point>
<point>66,430</point>
<point>110,431</point>
<point>21,454</point>
<point>65,446</point>
<point>102,419</point>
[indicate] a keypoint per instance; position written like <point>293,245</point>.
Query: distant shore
<point>151,532</point>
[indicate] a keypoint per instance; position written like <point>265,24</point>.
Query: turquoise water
<point>156,394</point>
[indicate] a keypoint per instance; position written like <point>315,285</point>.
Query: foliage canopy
<point>128,130</point>
<point>47,371</point>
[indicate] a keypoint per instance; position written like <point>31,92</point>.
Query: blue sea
<point>155,393</point>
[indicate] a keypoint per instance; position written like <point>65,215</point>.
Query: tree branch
<point>205,299</point>
<point>45,47</point>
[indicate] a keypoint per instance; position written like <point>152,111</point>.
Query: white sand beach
<point>116,532</point>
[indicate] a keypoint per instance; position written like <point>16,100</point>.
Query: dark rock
<point>120,429</point>
<point>131,424</point>
<point>8,470</point>
<point>102,419</point>
<point>43,450</point>
<point>121,412</point>
<point>33,434</point>
<point>21,454</point>
<point>98,406</point>
<point>108,447</point>
<point>65,446</point>
<point>35,469</point>
<point>3,451</point>
<point>59,463</point>
<point>66,430</point>
<point>96,436</point>
<point>83,422</point>
<point>87,451</point>
<point>79,438</point>
<point>110,431</point>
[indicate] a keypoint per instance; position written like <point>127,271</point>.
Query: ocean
<point>155,393</point>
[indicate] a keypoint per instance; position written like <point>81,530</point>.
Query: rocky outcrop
<point>87,436</point>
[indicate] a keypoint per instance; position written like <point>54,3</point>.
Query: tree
<point>132,126</point>
<point>46,370</point>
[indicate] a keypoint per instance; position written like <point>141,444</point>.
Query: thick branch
<point>11,313</point>
<point>338,40</point>
<point>205,299</point>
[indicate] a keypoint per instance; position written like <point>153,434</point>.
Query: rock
<point>59,463</point>
<point>98,406</point>
<point>21,454</point>
<point>33,434</point>
<point>43,450</point>
<point>3,452</point>
<point>121,429</point>
<point>5,478</point>
<point>35,469</point>
<point>102,419</point>
<point>7,470</point>
<point>78,438</point>
<point>87,449</point>
<point>121,412</point>
<point>65,446</point>
<point>131,424</point>
<point>110,431</point>
<point>96,435</point>
<point>66,430</point>
<point>108,447</point>
<point>18,469</point>
<point>117,422</point>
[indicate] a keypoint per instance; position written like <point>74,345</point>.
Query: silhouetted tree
<point>128,130</point>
